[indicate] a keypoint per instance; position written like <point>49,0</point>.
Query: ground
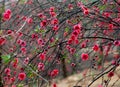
<point>72,80</point>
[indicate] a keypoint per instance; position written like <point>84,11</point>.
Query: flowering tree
<point>42,40</point>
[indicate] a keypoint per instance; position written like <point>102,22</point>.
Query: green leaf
<point>1,32</point>
<point>9,38</point>
<point>37,29</point>
<point>20,85</point>
<point>92,73</point>
<point>42,31</point>
<point>22,1</point>
<point>66,29</point>
<point>76,55</point>
<point>30,74</point>
<point>100,59</point>
<point>65,56</point>
<point>68,61</point>
<point>6,58</point>
<point>2,9</point>
<point>87,1</point>
<point>102,8</point>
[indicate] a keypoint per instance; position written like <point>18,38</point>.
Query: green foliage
<point>64,56</point>
<point>76,55</point>
<point>68,61</point>
<point>1,32</point>
<point>66,29</point>
<point>102,8</point>
<point>36,30</point>
<point>87,1</point>
<point>22,1</point>
<point>35,50</point>
<point>6,58</point>
<point>20,85</point>
<point>10,38</point>
<point>30,74</point>
<point>100,59</point>
<point>2,9</point>
<point>55,42</point>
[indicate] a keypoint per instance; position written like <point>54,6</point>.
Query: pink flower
<point>24,18</point>
<point>41,66</point>
<point>83,44</point>
<point>70,6</point>
<point>55,28</point>
<point>75,32</point>
<point>34,36</point>
<point>110,26</point>
<point>2,41</point>
<point>117,43</point>
<point>21,76</point>
<point>76,41</point>
<point>41,15</point>
<point>9,31</point>
<point>68,47</point>
<point>72,64</point>
<point>110,74</point>
<point>23,43</point>
<point>52,40</point>
<point>95,47</point>
<point>29,20</point>
<point>19,41</point>
<point>86,12</point>
<point>52,9</point>
<point>68,22</point>
<point>73,38</point>
<point>26,60</point>
<point>84,56</point>
<point>12,79</point>
<point>39,41</point>
<point>7,71</point>
<point>77,27</point>
<point>43,23</point>
<point>70,41</point>
<point>72,50</point>
<point>106,14</point>
<point>15,62</point>
<point>20,34</point>
<point>42,56</point>
<point>79,4</point>
<point>8,11</point>
<point>100,86</point>
<point>54,21</point>
<point>105,1</point>
<point>13,85</point>
<point>23,49</point>
<point>54,85</point>
<point>116,55</point>
<point>6,16</point>
<point>53,14</point>
<point>54,72</point>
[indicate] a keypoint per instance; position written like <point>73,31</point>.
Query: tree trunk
<point>1,11</point>
<point>64,68</point>
<point>1,83</point>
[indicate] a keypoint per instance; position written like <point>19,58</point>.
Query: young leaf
<point>6,58</point>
